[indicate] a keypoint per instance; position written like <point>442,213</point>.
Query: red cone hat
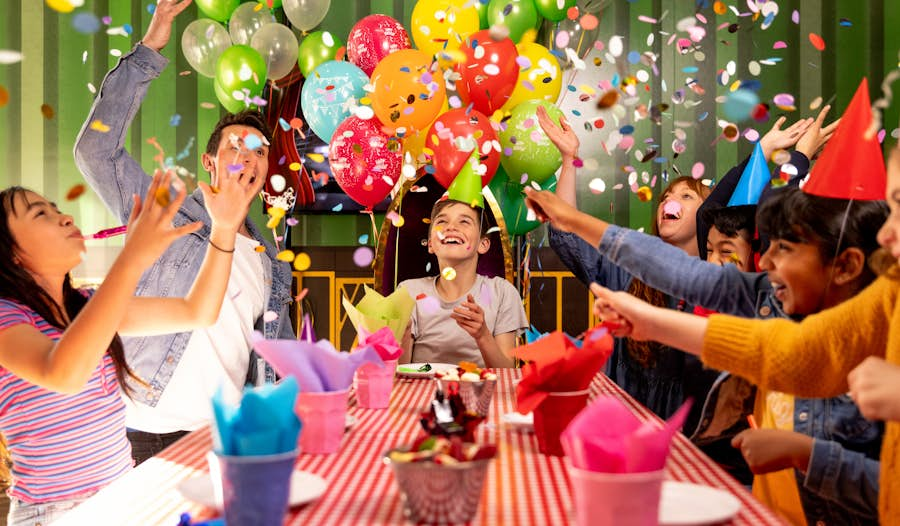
<point>851,166</point>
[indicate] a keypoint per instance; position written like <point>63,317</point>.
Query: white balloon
<point>278,47</point>
<point>246,20</point>
<point>202,43</point>
<point>306,14</point>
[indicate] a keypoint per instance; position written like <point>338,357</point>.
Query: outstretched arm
<point>227,206</point>
<point>100,147</point>
<point>811,358</point>
<point>565,140</point>
<point>67,364</point>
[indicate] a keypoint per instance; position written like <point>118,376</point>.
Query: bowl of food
<point>441,479</point>
<point>474,385</point>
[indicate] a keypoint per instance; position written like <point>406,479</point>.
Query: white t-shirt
<point>438,338</point>
<point>214,356</point>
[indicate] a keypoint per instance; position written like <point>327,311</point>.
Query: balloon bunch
<point>465,85</point>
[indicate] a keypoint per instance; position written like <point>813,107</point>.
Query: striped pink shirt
<point>62,446</point>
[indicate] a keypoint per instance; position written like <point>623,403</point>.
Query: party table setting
<point>354,438</point>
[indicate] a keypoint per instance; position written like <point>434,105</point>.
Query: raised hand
<point>767,450</point>
<point>470,316</point>
<point>562,136</point>
<point>816,136</point>
<point>157,35</point>
<point>875,387</point>
<point>778,139</point>
<point>229,203</point>
<point>150,229</point>
<point>623,314</point>
<point>548,207</point>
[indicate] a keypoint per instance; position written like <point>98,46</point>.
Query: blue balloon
<point>328,95</point>
<point>739,104</point>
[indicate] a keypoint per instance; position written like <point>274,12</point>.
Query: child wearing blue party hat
<point>459,314</point>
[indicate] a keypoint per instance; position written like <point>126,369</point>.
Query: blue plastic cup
<point>255,489</point>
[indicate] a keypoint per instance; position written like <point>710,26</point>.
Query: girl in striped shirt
<point>61,360</point>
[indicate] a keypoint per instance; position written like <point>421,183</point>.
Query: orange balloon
<point>407,91</point>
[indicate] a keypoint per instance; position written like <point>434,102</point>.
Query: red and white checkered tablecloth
<point>522,487</point>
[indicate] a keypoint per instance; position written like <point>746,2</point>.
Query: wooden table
<point>522,486</point>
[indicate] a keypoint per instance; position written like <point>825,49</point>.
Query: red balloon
<point>443,139</point>
<point>488,80</point>
<point>373,38</point>
<point>364,160</point>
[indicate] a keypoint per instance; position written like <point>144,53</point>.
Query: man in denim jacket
<point>183,370</point>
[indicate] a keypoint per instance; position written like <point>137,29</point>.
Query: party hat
<point>753,181</point>
<point>466,186</point>
<point>851,166</point>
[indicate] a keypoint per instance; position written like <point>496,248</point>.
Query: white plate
<point>442,367</point>
<point>684,503</point>
<point>518,421</point>
<point>305,487</point>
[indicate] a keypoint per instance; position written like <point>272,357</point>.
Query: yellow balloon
<point>542,79</point>
<point>442,25</point>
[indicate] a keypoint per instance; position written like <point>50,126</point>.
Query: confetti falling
<point>75,192</point>
<point>448,273</point>
<point>302,262</point>
<point>47,111</point>
<point>98,125</point>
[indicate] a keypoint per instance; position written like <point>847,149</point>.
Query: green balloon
<point>228,102</point>
<point>517,15</point>
<point>317,48</point>
<point>241,68</point>
<point>511,200</point>
<point>482,7</point>
<point>530,150</point>
<point>550,9</point>
<point>218,9</point>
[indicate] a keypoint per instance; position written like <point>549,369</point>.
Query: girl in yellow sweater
<point>813,358</point>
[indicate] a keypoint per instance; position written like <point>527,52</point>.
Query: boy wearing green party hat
<point>461,315</point>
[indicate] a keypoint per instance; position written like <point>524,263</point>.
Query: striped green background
<point>36,152</point>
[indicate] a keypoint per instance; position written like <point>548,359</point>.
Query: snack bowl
<point>439,493</point>
<point>476,396</point>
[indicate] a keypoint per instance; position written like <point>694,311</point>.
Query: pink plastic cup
<point>620,499</point>
<point>323,416</point>
<point>552,417</point>
<point>374,384</point>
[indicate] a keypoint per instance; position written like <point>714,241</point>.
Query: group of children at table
<point>195,278</point>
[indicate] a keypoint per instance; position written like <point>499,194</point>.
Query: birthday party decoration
<point>373,38</point>
<point>488,75</point>
<point>306,14</point>
<point>454,135</point>
<point>329,95</point>
<point>753,181</point>
<point>527,151</point>
<point>466,186</point>
<point>440,26</point>
<point>365,162</point>
<point>316,49</point>
<point>851,165</point>
<point>202,43</point>
<point>407,93</point>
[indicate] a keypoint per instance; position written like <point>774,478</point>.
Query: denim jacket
<point>674,376</point>
<point>116,176</point>
<point>841,483</point>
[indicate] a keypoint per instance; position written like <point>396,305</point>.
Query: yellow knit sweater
<point>812,359</point>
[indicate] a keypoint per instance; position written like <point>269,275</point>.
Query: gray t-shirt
<point>437,337</point>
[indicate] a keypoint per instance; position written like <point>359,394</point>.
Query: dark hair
<point>833,225</point>
<point>17,284</point>
<point>252,118</point>
<point>441,204</point>
<point>733,221</point>
<point>644,351</point>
